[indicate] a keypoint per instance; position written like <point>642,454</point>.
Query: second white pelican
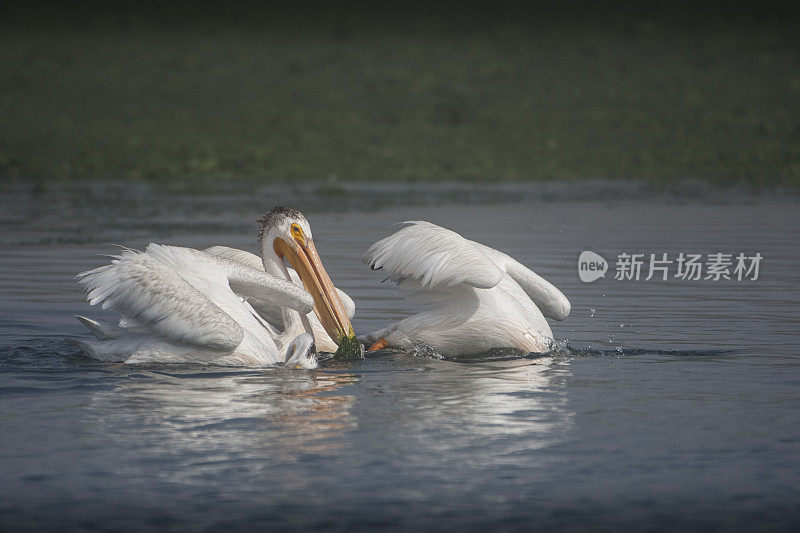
<point>478,298</point>
<point>183,305</point>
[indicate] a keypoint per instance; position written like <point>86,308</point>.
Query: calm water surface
<point>669,405</point>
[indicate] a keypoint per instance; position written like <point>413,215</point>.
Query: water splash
<point>423,350</point>
<point>565,349</point>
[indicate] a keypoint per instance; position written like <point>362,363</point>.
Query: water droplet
<point>592,310</point>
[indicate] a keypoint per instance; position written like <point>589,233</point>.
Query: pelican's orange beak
<point>302,255</point>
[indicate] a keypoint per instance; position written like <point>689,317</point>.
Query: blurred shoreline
<point>351,92</point>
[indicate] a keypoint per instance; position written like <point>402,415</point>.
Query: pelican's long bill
<point>302,255</point>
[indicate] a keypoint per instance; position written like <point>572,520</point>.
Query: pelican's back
<point>182,307</point>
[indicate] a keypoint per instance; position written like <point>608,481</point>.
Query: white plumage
<point>478,298</point>
<point>230,307</point>
<point>271,312</point>
<point>434,256</point>
<point>178,306</point>
<point>181,305</point>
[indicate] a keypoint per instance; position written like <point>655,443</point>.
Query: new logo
<point>591,266</point>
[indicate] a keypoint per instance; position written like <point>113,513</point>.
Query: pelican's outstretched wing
<point>153,294</point>
<point>433,256</point>
<point>243,280</point>
<point>253,261</point>
<point>544,294</point>
<point>236,255</point>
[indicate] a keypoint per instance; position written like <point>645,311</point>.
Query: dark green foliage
<point>638,96</point>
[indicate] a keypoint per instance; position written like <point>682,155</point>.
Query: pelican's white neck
<point>273,264</point>
<point>294,323</point>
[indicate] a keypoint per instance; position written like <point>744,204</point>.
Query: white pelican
<point>272,312</point>
<point>184,305</point>
<point>478,298</point>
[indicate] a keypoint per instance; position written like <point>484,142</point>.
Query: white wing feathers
<point>243,280</point>
<point>434,256</point>
<point>253,261</point>
<point>186,295</point>
<point>438,258</point>
<point>544,294</point>
<point>234,254</point>
<point>258,284</point>
<point>142,288</point>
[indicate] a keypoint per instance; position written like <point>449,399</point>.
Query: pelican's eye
<point>297,233</point>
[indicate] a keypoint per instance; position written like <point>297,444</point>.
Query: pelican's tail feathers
<point>98,350</point>
<point>138,348</point>
<point>102,331</point>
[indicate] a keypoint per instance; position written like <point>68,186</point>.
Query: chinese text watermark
<point>663,266</point>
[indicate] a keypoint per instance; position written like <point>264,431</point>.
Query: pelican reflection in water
<point>259,423</point>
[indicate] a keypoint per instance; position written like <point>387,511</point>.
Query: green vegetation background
<point>561,91</point>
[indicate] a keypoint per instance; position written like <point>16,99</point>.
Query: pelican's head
<point>286,233</point>
<point>301,352</point>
